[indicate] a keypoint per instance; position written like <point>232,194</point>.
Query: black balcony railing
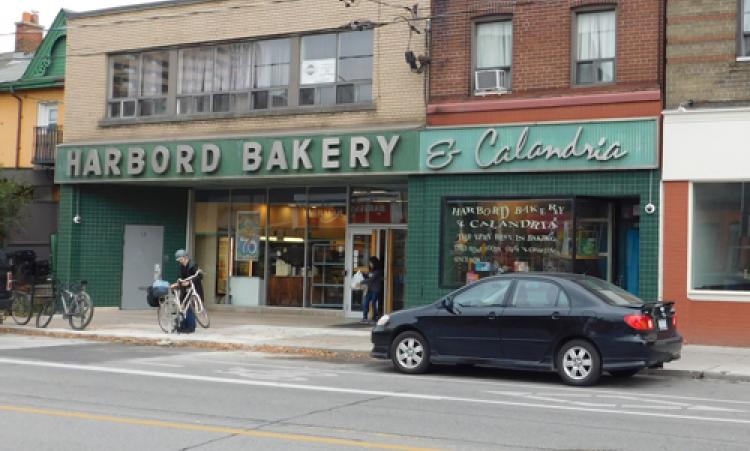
<point>46,140</point>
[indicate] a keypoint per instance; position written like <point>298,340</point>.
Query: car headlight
<point>383,320</point>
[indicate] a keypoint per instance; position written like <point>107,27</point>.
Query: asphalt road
<point>72,395</point>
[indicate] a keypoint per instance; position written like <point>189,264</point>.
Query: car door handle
<point>555,315</point>
<point>491,315</point>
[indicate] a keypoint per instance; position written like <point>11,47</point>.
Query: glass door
<point>389,246</point>
<point>362,243</point>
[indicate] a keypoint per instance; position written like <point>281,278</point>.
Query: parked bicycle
<point>172,312</point>
<point>72,301</point>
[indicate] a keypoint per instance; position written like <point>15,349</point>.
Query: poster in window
<point>316,72</point>
<point>483,237</point>
<point>248,236</point>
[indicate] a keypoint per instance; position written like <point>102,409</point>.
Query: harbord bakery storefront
<point>280,221</point>
<point>568,197</point>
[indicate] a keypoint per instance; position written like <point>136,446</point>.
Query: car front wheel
<point>410,353</point>
<point>578,363</point>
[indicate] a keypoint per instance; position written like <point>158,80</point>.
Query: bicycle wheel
<point>81,311</point>
<point>21,309</point>
<point>46,313</point>
<point>201,312</point>
<point>168,315</point>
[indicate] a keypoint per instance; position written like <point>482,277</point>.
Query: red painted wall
<point>701,322</point>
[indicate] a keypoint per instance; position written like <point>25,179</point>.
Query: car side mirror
<point>448,304</point>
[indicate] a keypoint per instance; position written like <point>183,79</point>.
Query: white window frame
<point>743,51</point>
<point>45,108</point>
<point>574,47</point>
<point>474,64</point>
<point>706,295</point>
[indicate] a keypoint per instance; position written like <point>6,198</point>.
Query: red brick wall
<point>542,46</point>
<point>701,322</point>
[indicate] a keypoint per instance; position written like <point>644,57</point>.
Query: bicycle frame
<point>65,294</point>
<point>184,304</point>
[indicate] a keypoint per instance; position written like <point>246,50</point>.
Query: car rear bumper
<point>637,352</point>
<point>381,343</point>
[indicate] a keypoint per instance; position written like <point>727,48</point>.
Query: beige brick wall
<point>702,53</point>
<point>397,92</point>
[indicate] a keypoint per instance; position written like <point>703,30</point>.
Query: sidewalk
<point>329,337</point>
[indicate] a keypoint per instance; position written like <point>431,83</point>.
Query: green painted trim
<point>42,57</point>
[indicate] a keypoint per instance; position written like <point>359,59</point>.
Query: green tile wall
<point>427,192</point>
<point>92,250</point>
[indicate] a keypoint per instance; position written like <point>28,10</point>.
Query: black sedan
<point>576,325</point>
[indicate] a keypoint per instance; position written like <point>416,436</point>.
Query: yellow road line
<point>207,428</point>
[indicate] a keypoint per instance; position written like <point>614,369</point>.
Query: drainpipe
<point>18,129</point>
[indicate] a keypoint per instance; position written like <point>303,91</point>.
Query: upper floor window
<point>595,47</point>
<point>243,77</point>
<point>336,68</point>
<point>745,29</point>
<point>139,84</point>
<point>493,56</point>
<point>233,77</point>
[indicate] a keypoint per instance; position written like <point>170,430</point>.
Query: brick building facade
<point>520,94</point>
<point>706,123</point>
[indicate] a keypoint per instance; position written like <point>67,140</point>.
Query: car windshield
<point>610,292</point>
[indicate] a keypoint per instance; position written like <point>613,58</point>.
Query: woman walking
<point>374,297</point>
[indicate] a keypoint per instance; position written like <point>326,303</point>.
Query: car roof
<point>541,274</point>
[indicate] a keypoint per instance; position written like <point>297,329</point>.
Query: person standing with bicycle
<point>188,268</point>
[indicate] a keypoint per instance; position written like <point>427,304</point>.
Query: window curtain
<point>196,66</point>
<point>155,74</point>
<point>596,35</point>
<point>272,63</point>
<point>124,76</point>
<point>494,44</point>
<point>232,69</point>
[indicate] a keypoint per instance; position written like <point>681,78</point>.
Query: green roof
<point>47,68</point>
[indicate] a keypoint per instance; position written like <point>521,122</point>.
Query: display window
<point>720,235</point>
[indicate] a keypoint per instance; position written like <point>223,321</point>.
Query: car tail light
<point>9,281</point>
<point>674,320</point>
<point>640,321</point>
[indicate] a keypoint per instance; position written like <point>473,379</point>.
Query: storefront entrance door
<point>388,244</point>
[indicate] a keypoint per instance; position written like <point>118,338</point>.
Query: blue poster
<point>248,236</point>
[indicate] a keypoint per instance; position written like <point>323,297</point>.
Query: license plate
<point>663,324</point>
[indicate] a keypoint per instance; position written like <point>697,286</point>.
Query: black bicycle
<point>72,301</point>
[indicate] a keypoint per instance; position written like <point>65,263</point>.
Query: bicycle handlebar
<point>188,279</point>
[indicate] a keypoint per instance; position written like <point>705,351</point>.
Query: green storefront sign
<point>580,146</point>
<point>390,152</point>
<point>587,146</point>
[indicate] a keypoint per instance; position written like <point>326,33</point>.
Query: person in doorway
<point>188,268</point>
<point>374,296</point>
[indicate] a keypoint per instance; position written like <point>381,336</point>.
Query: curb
<point>698,374</point>
<point>325,354</point>
<point>309,353</point>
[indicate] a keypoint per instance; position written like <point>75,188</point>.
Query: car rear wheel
<point>410,353</point>
<point>624,373</point>
<point>578,363</point>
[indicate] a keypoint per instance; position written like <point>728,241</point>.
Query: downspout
<point>18,129</point>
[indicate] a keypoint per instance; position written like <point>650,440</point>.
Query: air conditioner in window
<point>490,81</point>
